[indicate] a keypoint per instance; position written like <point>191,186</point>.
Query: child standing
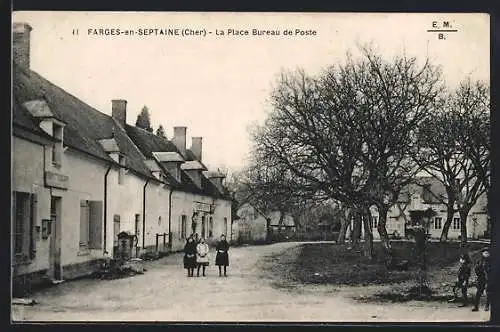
<point>190,256</point>
<point>463,278</point>
<point>222,258</point>
<point>202,250</point>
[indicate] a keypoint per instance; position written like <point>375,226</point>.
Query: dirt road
<point>164,293</point>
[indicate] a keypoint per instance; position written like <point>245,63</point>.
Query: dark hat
<point>465,257</point>
<point>485,249</point>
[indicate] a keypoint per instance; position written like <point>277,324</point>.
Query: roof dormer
<point>216,178</point>
<point>154,168</point>
<point>194,170</point>
<point>171,161</point>
<point>48,122</point>
<point>110,145</point>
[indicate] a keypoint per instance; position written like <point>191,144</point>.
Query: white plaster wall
<point>474,229</point>
<point>183,203</point>
<point>124,200</point>
<point>27,176</point>
<point>251,221</point>
<point>86,182</point>
<point>156,213</point>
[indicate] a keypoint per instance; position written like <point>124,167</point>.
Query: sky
<point>218,85</point>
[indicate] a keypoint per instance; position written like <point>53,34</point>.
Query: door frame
<point>55,266</point>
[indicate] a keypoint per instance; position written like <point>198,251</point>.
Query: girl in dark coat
<point>190,256</point>
<point>222,258</point>
<point>463,277</point>
<point>483,271</point>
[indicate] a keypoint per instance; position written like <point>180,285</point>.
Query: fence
<point>161,239</point>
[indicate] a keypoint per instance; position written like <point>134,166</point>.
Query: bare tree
<point>348,134</point>
<point>419,229</point>
<point>455,150</point>
<point>393,98</point>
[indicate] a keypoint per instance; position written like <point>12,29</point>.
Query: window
<point>116,229</point>
<point>164,178</point>
<point>456,223</point>
<point>225,226</point>
<point>438,222</point>
<point>91,223</point>
<point>210,227</point>
<point>58,146</point>
<point>374,222</point>
<point>121,171</point>
<point>24,220</point>
<point>203,226</point>
<point>84,224</point>
<point>137,224</point>
<point>183,226</point>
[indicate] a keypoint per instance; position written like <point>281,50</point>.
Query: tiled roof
<point>148,143</point>
<point>85,126</point>
<point>433,191</point>
<point>22,118</point>
<point>168,156</point>
<point>193,165</point>
<point>430,189</point>
<point>86,129</point>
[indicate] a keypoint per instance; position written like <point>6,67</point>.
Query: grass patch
<point>335,264</point>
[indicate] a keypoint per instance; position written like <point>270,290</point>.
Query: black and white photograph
<point>250,167</point>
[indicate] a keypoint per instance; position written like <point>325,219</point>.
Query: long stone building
<point>80,176</point>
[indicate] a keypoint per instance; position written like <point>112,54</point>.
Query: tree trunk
<point>280,224</point>
<point>368,245</point>
<point>343,227</point>
<point>382,231</point>
<point>268,230</point>
<point>356,229</point>
<point>421,244</point>
<point>450,211</point>
<point>464,213</point>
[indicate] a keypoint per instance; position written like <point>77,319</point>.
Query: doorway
<point>116,231</point>
<point>55,239</point>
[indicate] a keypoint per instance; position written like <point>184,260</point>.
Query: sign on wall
<point>204,207</point>
<point>56,180</point>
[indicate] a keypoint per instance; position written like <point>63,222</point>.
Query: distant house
<point>287,227</point>
<point>80,177</point>
<point>252,224</point>
<point>426,193</point>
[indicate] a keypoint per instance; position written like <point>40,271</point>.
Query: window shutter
<point>180,228</point>
<point>32,228</point>
<point>95,225</point>
<point>84,223</point>
<point>116,229</point>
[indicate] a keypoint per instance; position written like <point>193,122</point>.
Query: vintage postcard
<point>250,167</point>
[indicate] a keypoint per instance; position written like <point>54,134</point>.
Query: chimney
<point>119,111</point>
<point>179,139</point>
<point>21,44</point>
<point>196,147</point>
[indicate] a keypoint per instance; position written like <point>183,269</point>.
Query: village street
<point>164,293</point>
